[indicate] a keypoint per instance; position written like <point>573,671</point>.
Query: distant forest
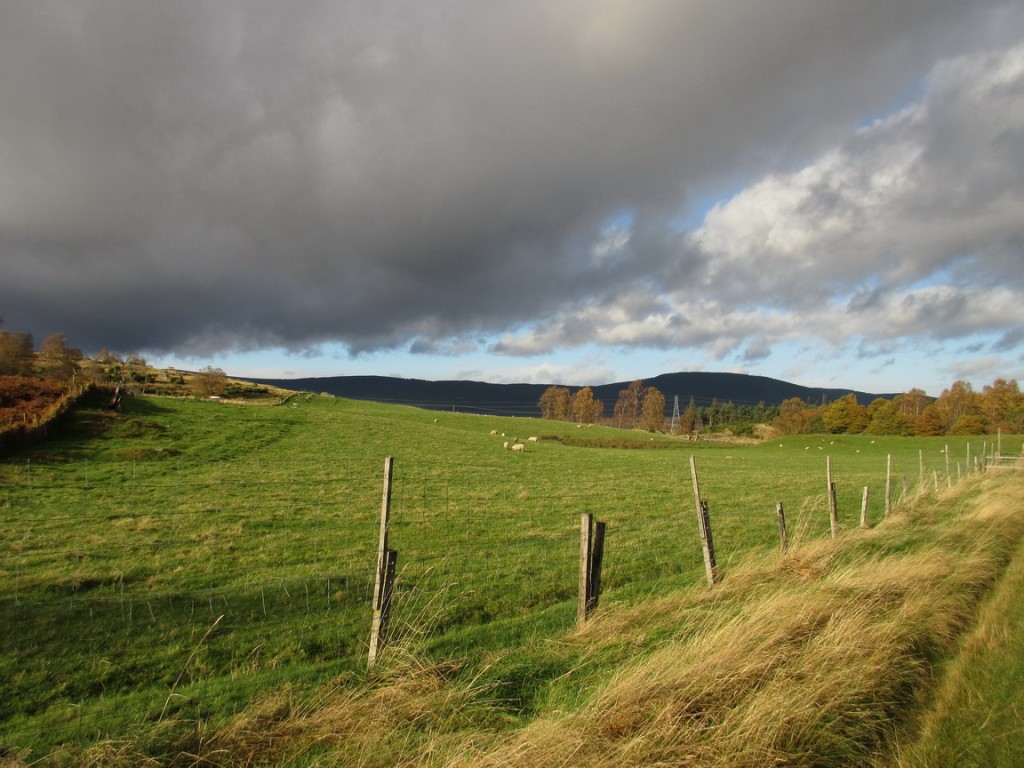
<point>959,410</point>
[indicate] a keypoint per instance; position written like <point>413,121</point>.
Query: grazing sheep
<point>518,448</point>
<point>506,445</point>
<point>494,432</point>
<point>533,438</point>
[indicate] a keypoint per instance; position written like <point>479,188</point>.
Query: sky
<point>546,191</point>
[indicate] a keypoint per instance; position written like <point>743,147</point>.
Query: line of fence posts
<point>592,537</point>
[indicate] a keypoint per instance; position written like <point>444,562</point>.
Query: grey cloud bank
<point>450,176</point>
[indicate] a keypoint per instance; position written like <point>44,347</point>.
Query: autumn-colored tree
<point>554,403</point>
<point>652,417</point>
<point>887,418</point>
<point>585,407</point>
<point>56,358</point>
<point>999,401</point>
<point>929,423</point>
<point>1015,421</point>
<point>628,407</point>
<point>16,353</point>
<point>957,401</point>
<point>794,417</point>
<point>688,418</point>
<point>968,425</point>
<point>912,404</point>
<point>209,382</point>
<point>846,416</point>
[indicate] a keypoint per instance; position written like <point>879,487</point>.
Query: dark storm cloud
<point>232,175</point>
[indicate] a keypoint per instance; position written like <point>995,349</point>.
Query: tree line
<point>959,410</point>
<point>643,407</point>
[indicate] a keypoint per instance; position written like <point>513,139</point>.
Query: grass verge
<point>977,718</point>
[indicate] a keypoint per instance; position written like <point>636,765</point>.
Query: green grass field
<point>163,567</point>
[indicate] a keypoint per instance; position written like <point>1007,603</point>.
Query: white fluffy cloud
<point>912,228</point>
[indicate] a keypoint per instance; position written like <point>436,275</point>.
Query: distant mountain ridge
<point>521,399</point>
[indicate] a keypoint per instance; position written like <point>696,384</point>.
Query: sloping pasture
<point>164,565</point>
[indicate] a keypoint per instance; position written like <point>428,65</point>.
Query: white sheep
<point>506,445</point>
<point>518,448</point>
<point>533,438</point>
<point>494,432</point>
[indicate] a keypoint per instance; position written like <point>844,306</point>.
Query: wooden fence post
<point>586,551</point>
<point>596,561</point>
<point>833,511</point>
<point>704,525</point>
<point>387,560</point>
<point>783,537</point>
<point>888,484</point>
<point>591,560</point>
<point>864,508</point>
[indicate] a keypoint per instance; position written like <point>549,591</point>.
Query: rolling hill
<point>521,399</point>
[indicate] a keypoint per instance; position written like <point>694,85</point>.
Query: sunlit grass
<point>184,557</point>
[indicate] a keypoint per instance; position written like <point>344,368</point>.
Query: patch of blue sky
<point>622,219</point>
<point>947,275</point>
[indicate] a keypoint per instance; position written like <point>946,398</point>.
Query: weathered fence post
<point>387,560</point>
<point>591,558</point>
<point>833,511</point>
<point>783,537</point>
<point>704,525</point>
<point>949,475</point>
<point>888,484</point>
<point>586,528</point>
<point>864,509</point>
